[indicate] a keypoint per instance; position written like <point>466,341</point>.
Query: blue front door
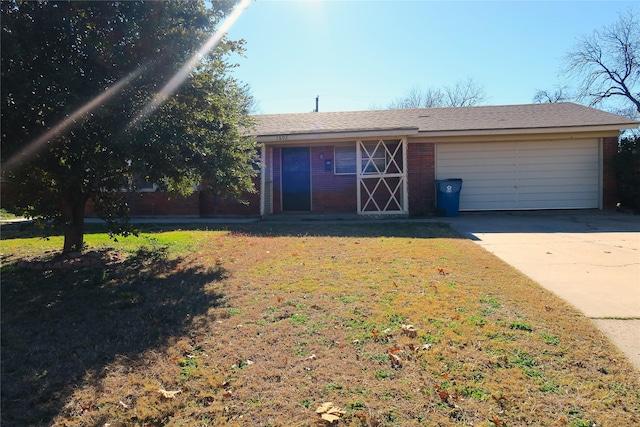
<point>296,179</point>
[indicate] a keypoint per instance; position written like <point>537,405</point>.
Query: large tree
<point>77,81</point>
<point>606,65</point>
<point>464,93</point>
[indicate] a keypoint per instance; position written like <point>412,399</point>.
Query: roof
<point>557,116</point>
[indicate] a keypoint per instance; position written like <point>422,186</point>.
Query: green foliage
<point>551,339</point>
<point>627,166</point>
<point>520,326</point>
<point>76,77</point>
<point>299,319</point>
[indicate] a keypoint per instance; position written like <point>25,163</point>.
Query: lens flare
<point>172,85</point>
<point>37,144</point>
<point>176,81</point>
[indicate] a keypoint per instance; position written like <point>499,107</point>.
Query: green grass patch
<point>259,324</point>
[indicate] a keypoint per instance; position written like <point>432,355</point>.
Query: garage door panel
<point>553,192</point>
<point>475,192</point>
<point>555,174</point>
<point>480,176</point>
<point>564,150</point>
<point>555,204</point>
<point>556,185</point>
<point>472,171</point>
<point>523,175</point>
<point>473,154</point>
<point>486,205</point>
<point>477,147</point>
<point>552,144</point>
<point>556,160</point>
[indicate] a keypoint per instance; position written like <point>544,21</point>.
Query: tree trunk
<point>73,223</point>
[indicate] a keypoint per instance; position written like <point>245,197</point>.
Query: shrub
<point>627,167</point>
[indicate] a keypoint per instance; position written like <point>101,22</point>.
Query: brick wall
<point>212,206</point>
<point>609,151</point>
<point>198,204</point>
<point>331,193</point>
<point>338,193</point>
<point>421,175</point>
<point>161,204</point>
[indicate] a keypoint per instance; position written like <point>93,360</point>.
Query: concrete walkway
<point>591,259</point>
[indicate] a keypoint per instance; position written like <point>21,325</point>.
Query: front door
<point>296,179</point>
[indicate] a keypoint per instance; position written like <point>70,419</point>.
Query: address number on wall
<point>282,137</point>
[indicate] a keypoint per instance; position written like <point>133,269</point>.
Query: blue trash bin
<point>448,196</point>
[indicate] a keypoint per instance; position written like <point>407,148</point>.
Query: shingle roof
<point>485,118</point>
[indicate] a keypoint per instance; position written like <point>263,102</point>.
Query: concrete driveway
<point>591,259</point>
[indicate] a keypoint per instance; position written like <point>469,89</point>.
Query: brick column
<point>609,192</point>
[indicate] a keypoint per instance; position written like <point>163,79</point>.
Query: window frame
<point>344,147</point>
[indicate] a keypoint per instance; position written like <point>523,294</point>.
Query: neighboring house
<point>386,162</point>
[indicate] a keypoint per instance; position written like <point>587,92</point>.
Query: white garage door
<point>560,174</point>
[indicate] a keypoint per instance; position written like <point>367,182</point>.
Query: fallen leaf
<point>324,407</point>
<point>169,394</point>
<point>410,331</point>
<point>329,413</point>
<point>330,417</point>
<point>396,362</point>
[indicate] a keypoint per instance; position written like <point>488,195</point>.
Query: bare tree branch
<point>464,94</point>
<point>607,63</point>
<point>559,94</point>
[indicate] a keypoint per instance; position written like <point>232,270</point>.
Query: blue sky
<point>359,54</point>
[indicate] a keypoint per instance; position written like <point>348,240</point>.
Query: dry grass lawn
<point>395,324</point>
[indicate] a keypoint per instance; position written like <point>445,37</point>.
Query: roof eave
<point>349,134</point>
<point>523,131</point>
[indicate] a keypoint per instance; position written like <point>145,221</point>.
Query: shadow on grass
<point>371,228</point>
<point>59,325</point>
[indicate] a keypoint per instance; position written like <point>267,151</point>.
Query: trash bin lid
<point>449,185</point>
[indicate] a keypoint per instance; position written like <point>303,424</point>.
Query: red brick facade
<point>200,204</point>
<point>421,174</point>
<point>609,193</point>
<point>331,193</point>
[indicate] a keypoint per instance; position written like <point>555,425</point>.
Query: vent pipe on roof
<point>317,98</point>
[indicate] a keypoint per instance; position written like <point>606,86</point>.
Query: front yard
<point>395,324</point>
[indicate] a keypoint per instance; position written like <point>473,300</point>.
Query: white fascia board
<point>523,131</point>
<point>297,137</point>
